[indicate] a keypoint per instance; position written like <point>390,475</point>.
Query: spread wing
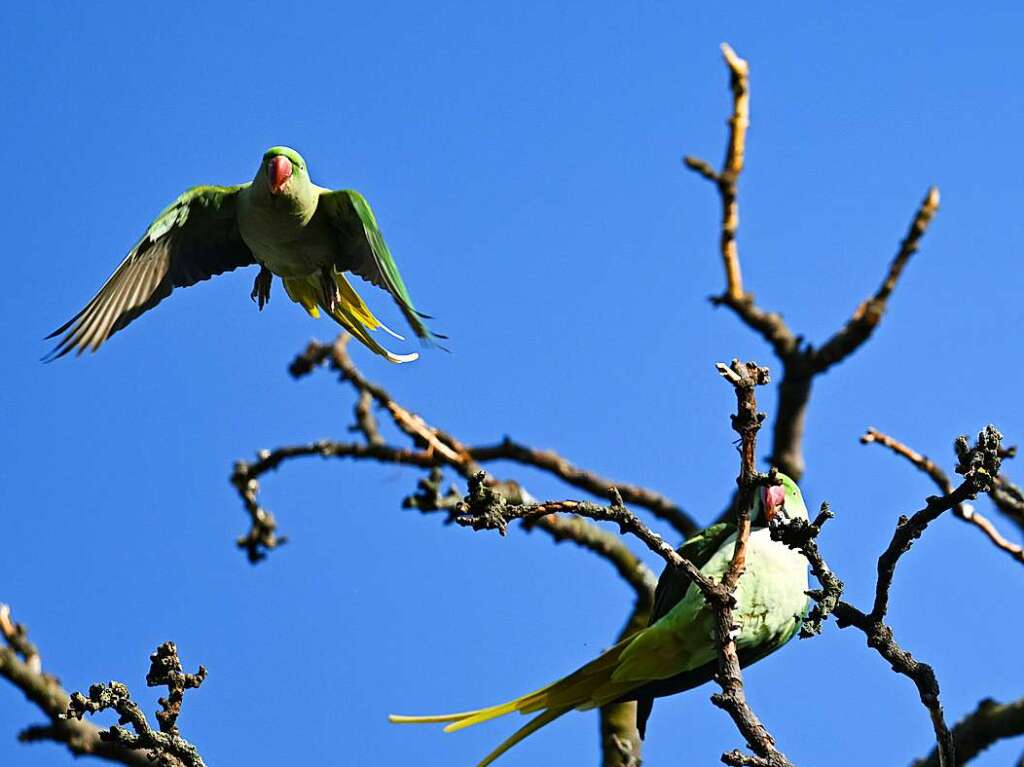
<point>364,252</point>
<point>194,238</point>
<point>672,587</point>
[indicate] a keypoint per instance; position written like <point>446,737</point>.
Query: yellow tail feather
<point>429,719</point>
<point>589,686</point>
<point>522,733</point>
<point>350,312</point>
<point>491,712</point>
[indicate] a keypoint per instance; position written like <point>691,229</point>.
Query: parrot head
<point>773,500</point>
<point>283,171</point>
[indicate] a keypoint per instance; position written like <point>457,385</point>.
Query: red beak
<point>278,172</point>
<point>773,498</point>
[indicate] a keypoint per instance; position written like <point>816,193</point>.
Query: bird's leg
<point>261,287</point>
<point>329,288</point>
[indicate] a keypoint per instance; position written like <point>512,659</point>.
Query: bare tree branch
<point>746,423</point>
<point>979,465</point>
<point>436,449</point>
<point>1009,499</point>
<point>866,317</point>
<point>548,460</point>
<point>164,747</point>
<point>988,723</point>
<point>801,362</point>
<point>728,178</point>
<point>962,511</point>
<point>485,509</point>
<point>21,665</point>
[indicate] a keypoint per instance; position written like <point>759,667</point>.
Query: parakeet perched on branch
<point>677,651</point>
<point>306,235</point>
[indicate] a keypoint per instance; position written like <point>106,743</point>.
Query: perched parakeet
<point>677,650</point>
<point>306,235</point>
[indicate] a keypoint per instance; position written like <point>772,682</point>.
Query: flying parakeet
<point>676,651</point>
<point>306,235</point>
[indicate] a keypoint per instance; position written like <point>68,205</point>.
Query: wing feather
<point>364,252</point>
<point>193,239</point>
<point>672,587</point>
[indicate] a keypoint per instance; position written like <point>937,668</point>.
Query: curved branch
<point>551,462</point>
<point>988,723</point>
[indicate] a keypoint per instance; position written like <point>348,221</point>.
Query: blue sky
<point>524,164</point>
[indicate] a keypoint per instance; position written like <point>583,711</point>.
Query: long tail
<point>349,311</point>
<point>588,687</point>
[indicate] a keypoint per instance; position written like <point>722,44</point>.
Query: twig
<point>746,423</point>
<point>164,747</point>
<point>962,511</point>
<point>727,179</point>
<point>1009,499</point>
<point>866,317</point>
<point>802,535</point>
<point>548,460</point>
<point>979,465</point>
<point>435,448</point>
<point>20,665</point>
<point>16,637</point>
<point>989,722</point>
<point>485,509</point>
<point>801,362</point>
<point>165,671</point>
<point>366,423</point>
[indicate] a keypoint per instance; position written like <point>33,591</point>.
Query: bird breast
<point>286,240</point>
<point>770,596</point>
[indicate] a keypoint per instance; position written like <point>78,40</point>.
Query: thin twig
<point>964,511</point>
<point>727,179</point>
<point>548,460</point>
<point>988,723</point>
<point>865,319</point>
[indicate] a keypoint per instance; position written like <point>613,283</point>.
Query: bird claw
<point>330,290</point>
<point>261,287</point>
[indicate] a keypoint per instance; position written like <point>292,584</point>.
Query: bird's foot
<point>261,287</point>
<point>329,288</point>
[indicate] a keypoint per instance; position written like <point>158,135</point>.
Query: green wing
<point>191,240</point>
<point>364,252</point>
<point>672,587</point>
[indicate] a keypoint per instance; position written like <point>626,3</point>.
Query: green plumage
<point>677,651</point>
<point>281,221</point>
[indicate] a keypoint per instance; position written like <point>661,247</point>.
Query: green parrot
<point>676,651</point>
<point>306,235</point>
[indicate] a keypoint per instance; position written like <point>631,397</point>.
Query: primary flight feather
<point>306,235</point>
<point>676,651</point>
